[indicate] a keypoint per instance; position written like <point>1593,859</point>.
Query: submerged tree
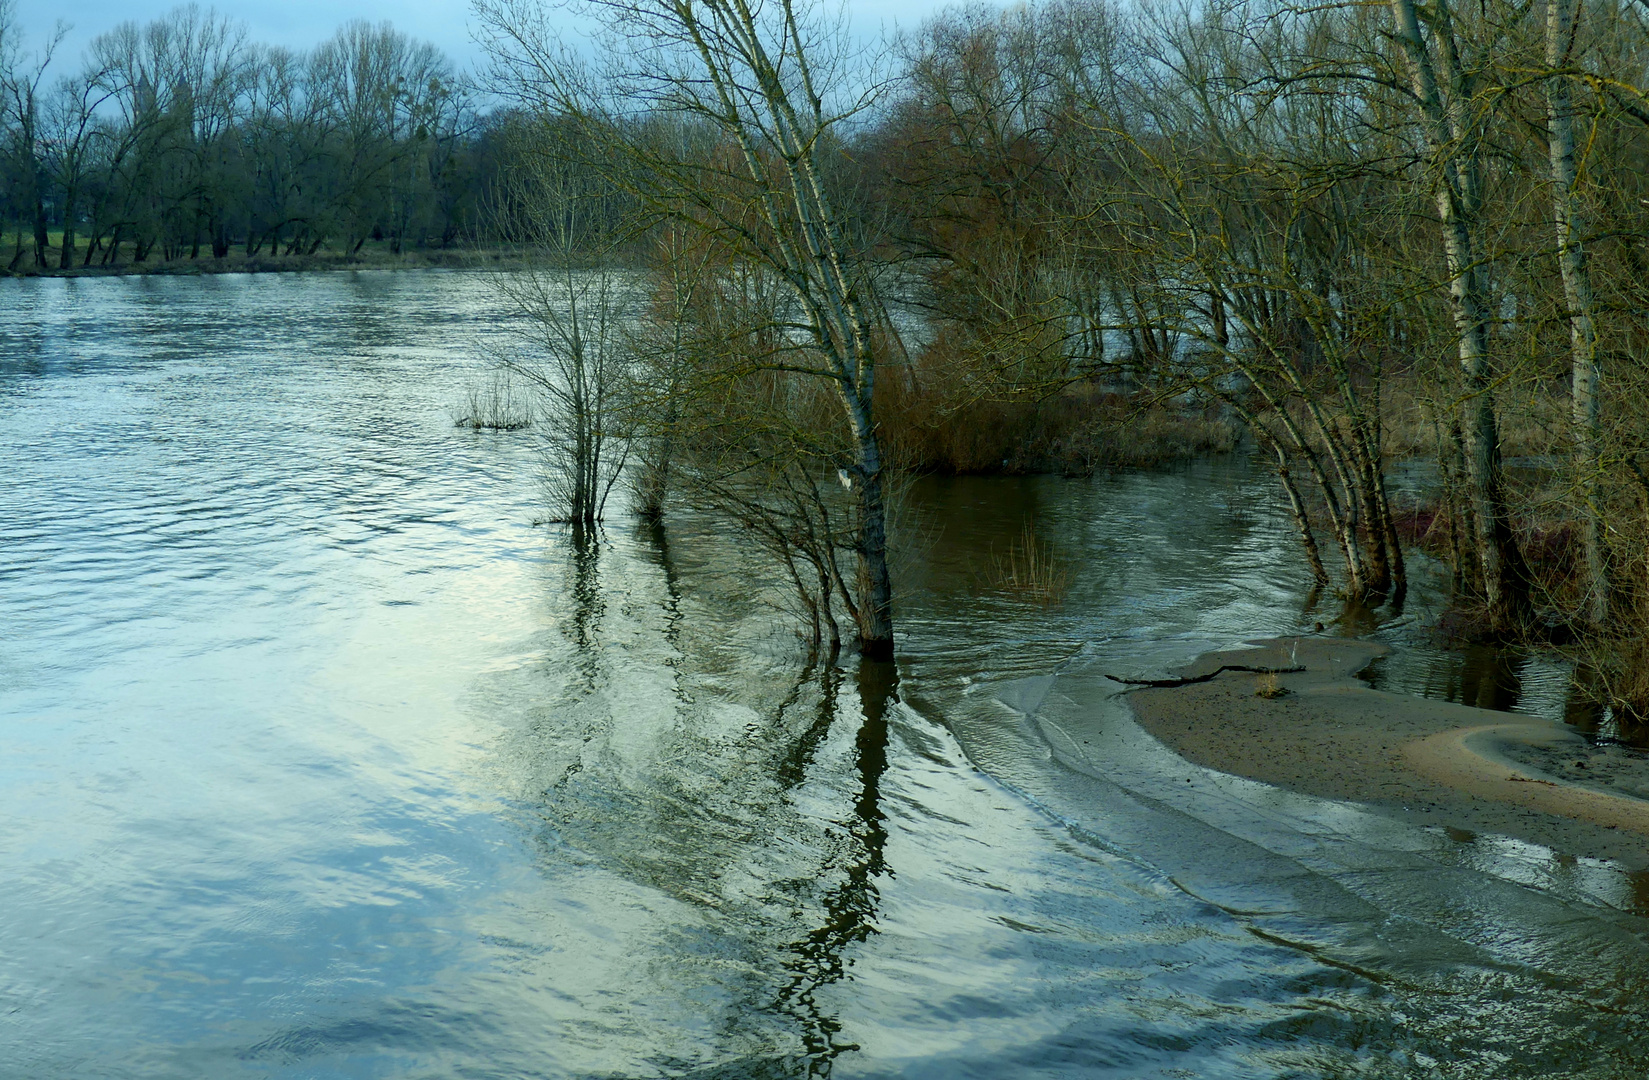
<point>1563,19</point>
<point>573,350</point>
<point>1444,96</point>
<point>729,119</point>
<point>679,263</point>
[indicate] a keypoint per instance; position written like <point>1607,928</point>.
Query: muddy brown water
<point>321,760</point>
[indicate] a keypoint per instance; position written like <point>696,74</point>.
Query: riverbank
<point>1324,732</point>
<point>372,257</point>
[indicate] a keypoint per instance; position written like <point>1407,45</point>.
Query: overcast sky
<point>298,24</point>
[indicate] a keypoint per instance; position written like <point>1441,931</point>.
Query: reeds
<point>1267,686</point>
<point>1030,569</point>
<point>495,403</point>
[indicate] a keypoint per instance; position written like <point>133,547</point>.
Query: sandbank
<point>1333,736</point>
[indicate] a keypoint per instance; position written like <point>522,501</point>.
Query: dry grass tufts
<point>1030,569</point>
<point>495,403</point>
<point>1267,686</point>
<point>928,426</point>
<point>1534,417</point>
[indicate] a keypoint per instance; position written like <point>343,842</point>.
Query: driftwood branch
<point>1204,678</point>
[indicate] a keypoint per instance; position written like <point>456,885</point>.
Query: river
<point>321,759</point>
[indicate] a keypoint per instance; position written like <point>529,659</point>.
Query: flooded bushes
<point>1077,431</point>
<point>1611,655</point>
<point>763,451</point>
<point>1092,222</point>
<point>495,402</point>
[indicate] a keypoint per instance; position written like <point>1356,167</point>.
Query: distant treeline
<point>1353,231</point>
<point>181,138</point>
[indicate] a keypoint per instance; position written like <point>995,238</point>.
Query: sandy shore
<point>1428,761</point>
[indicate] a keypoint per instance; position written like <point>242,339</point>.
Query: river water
<point>320,759</point>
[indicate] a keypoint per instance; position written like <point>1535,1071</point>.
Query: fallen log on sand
<point>1187,681</point>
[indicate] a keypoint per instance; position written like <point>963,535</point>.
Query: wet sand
<point>1431,762</point>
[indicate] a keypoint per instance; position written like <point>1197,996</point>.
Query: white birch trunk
<point>1577,292</point>
<point>1445,125</point>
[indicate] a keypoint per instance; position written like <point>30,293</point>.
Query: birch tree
<point>1449,114</point>
<point>770,88</point>
<point>1562,19</point>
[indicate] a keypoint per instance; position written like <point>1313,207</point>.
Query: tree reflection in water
<point>743,787</point>
<point>658,544</point>
<point>820,959</point>
<point>588,605</point>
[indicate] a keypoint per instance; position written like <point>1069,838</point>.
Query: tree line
<point>1365,232</point>
<point>1372,231</point>
<point>1298,211</point>
<point>181,138</point>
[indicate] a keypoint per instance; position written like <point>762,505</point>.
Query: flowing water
<point>320,759</point>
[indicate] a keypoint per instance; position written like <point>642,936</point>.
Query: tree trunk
<point>1342,513</point>
<point>65,257</point>
<point>1302,521</point>
<point>809,604</point>
<point>1296,505</point>
<point>875,583</point>
<point>41,239</point>
<point>1369,479</point>
<point>833,632</point>
<point>1376,449</point>
<point>1461,526</point>
<point>1504,575</point>
<point>1394,543</point>
<point>1577,292</point>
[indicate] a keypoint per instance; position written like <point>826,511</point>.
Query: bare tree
<point>73,128</point>
<point>681,262</point>
<point>1562,18</point>
<point>574,349</point>
<point>763,94</point>
<point>21,105</point>
<point>386,96</point>
<point>1443,93</point>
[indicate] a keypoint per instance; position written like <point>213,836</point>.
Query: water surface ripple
<point>321,759</point>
